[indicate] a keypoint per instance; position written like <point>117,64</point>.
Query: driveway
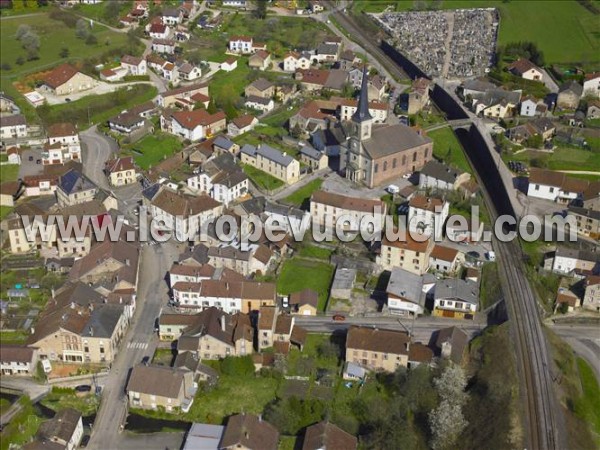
<point>97,149</point>
<point>139,342</point>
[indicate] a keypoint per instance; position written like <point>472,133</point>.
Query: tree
<point>447,420</point>
<point>296,132</point>
<point>535,141</point>
<point>111,11</point>
<point>32,54</point>
<point>91,40</point>
<point>82,29</point>
<point>347,90</point>
<point>447,423</point>
<point>329,350</point>
<point>30,41</point>
<point>64,52</point>
<point>261,9</point>
<point>22,31</point>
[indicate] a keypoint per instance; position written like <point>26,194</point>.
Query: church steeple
<point>362,111</point>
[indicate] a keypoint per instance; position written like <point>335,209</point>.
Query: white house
<point>193,125</point>
<point>188,71</point>
<point>135,66</point>
<point>172,17</point>
<point>528,107</point>
<point>183,213</point>
<point>259,103</point>
<point>445,259</point>
<point>241,125</point>
<point>347,108</point>
<point>407,292</point>
<point>221,178</point>
<point>427,215</point>
<point>293,61</point>
<point>62,133</point>
<point>229,64</point>
<point>159,31</point>
<point>17,360</point>
<point>163,46</point>
<point>190,273</point>
<point>591,84</point>
<point>241,45</point>
<point>13,126</point>
<point>526,69</point>
<point>554,186</point>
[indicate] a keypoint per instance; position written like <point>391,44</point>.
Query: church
<point>375,154</point>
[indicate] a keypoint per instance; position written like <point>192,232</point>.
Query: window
<point>403,160</point>
<point>394,163</point>
<point>384,166</point>
<point>414,156</point>
<point>376,168</point>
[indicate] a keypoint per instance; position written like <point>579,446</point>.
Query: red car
<point>339,318</point>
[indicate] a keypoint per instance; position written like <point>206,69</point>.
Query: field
<point>312,251</point>
<point>301,196</point>
<point>564,30</point>
<point>97,108</point>
<point>447,148</point>
<point>9,172</point>
<point>262,179</point>
<point>54,36</point>
<point>298,274</point>
<point>562,159</point>
<point>588,405</point>
<point>154,148</point>
<point>233,394</point>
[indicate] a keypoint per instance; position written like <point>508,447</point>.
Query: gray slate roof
<point>269,153</point>
<point>457,289</point>
<point>440,171</point>
<point>387,140</point>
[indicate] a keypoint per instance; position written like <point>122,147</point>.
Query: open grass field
<point>97,108</point>
<point>301,196</point>
<point>154,148</point>
<point>9,172</point>
<point>563,159</point>
<point>54,36</point>
<point>564,30</point>
<point>447,148</point>
<point>262,179</point>
<point>298,274</point>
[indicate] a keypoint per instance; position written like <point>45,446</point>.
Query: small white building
<point>135,66</point>
<point>427,215</point>
<point>229,64</point>
<point>259,103</point>
<point>241,44</point>
<point>591,85</point>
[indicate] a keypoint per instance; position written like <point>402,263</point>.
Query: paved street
<point>152,295</point>
<point>585,341</point>
<point>96,150</point>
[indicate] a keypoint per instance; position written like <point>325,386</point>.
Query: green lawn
<point>301,196</point>
<point>154,148</point>
<point>9,172</point>
<point>312,251</point>
<point>95,109</point>
<point>447,148</point>
<point>227,88</point>
<point>310,350</point>
<point>588,405</point>
<point>54,36</point>
<point>13,337</point>
<point>262,179</point>
<point>61,398</point>
<point>4,405</point>
<point>298,274</point>
<point>232,395</point>
<point>564,30</point>
<point>563,158</point>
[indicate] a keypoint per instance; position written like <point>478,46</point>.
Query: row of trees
<point>30,41</point>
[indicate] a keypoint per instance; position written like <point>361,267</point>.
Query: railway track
<point>542,413</point>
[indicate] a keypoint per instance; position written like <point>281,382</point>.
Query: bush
<point>69,19</point>
<point>5,66</point>
<point>136,78</point>
<point>91,40</point>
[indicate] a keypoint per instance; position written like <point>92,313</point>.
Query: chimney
<point>127,262</point>
<point>223,322</point>
<point>92,331</point>
<point>72,305</point>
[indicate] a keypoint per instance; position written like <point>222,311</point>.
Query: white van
<point>392,189</point>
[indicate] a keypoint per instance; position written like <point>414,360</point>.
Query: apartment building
<point>275,163</point>
<point>456,298</point>
<point>377,349</point>
<point>407,254</point>
<point>427,215</point>
<point>328,207</point>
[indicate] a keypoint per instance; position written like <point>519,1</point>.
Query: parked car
<point>339,318</point>
<point>83,388</point>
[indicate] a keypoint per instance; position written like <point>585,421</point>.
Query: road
<point>584,340</point>
<point>140,341</point>
<point>544,422</point>
<point>96,150</point>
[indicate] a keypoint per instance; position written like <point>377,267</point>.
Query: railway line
<point>542,413</point>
